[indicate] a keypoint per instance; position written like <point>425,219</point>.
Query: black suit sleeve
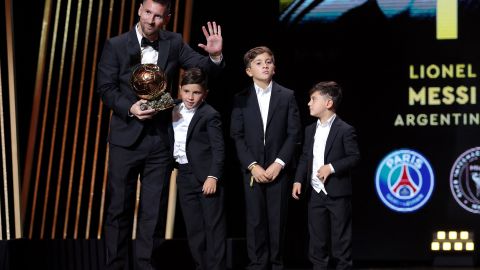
<point>108,82</point>
<point>215,134</point>
<point>302,167</point>
<point>351,155</point>
<point>237,132</point>
<point>287,151</point>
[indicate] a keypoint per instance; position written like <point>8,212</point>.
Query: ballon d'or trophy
<point>150,82</point>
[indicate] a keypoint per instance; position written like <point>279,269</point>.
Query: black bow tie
<point>145,42</point>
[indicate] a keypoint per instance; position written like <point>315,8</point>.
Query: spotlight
<point>453,248</point>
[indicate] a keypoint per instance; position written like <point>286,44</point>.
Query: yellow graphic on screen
<point>444,12</point>
<point>447,19</point>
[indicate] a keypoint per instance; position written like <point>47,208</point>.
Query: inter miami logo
<point>465,180</point>
<point>404,180</point>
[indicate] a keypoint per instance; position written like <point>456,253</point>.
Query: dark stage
<point>174,254</point>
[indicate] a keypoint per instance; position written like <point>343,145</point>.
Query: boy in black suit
<point>265,126</point>
<point>330,152</point>
<point>199,152</point>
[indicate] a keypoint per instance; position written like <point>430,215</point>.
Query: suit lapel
<point>196,117</point>
<point>311,138</point>
<point>164,51</point>
<point>331,135</point>
<point>133,48</point>
<point>252,102</point>
<point>274,98</point>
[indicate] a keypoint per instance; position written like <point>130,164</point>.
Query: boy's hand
<point>273,171</point>
<point>297,189</point>
<point>209,186</point>
<point>259,174</point>
<point>323,173</point>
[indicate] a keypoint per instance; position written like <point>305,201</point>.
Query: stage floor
<point>89,255</point>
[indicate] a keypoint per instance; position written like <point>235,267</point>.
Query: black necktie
<point>145,42</point>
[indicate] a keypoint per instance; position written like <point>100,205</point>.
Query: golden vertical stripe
<point>67,123</point>
<point>175,18</point>
<point>447,19</point>
<point>135,214</point>
<point>102,202</point>
<point>110,18</point>
<point>54,126</point>
<point>172,205</point>
<point>122,11</point>
<point>97,140</point>
<point>45,111</point>
<point>4,163</point>
<point>132,13</point>
<point>35,111</point>
<point>92,183</point>
<point>77,122</point>
<point>87,132</point>
<point>187,25</point>
<point>13,120</point>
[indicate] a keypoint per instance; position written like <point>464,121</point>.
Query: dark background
<point>368,55</point>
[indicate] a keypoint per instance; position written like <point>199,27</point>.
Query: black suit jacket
<point>341,150</point>
<point>120,55</point>
<point>282,133</point>
<point>204,145</point>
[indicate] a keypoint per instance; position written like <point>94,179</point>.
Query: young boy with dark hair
<point>330,152</point>
<point>198,149</point>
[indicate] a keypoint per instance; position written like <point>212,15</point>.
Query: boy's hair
<point>195,76</point>
<point>252,53</point>
<point>166,3</point>
<point>330,89</point>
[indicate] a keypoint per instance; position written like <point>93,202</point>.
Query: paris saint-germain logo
<point>465,180</point>
<point>404,180</point>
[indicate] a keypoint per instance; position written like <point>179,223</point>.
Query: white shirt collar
<point>139,35</point>
<point>327,123</point>
<point>259,90</point>
<point>183,108</point>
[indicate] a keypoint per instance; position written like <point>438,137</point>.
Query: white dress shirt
<point>320,140</point>
<point>149,54</point>
<point>263,97</point>
<point>180,128</point>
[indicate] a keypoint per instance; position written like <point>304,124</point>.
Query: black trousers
<point>150,159</point>
<point>330,225</point>
<point>205,221</point>
<point>266,214</point>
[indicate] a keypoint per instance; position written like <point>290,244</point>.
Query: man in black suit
<point>330,152</point>
<point>138,139</point>
<point>198,149</point>
<point>265,126</point>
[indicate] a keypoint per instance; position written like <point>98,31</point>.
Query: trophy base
<point>165,101</point>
